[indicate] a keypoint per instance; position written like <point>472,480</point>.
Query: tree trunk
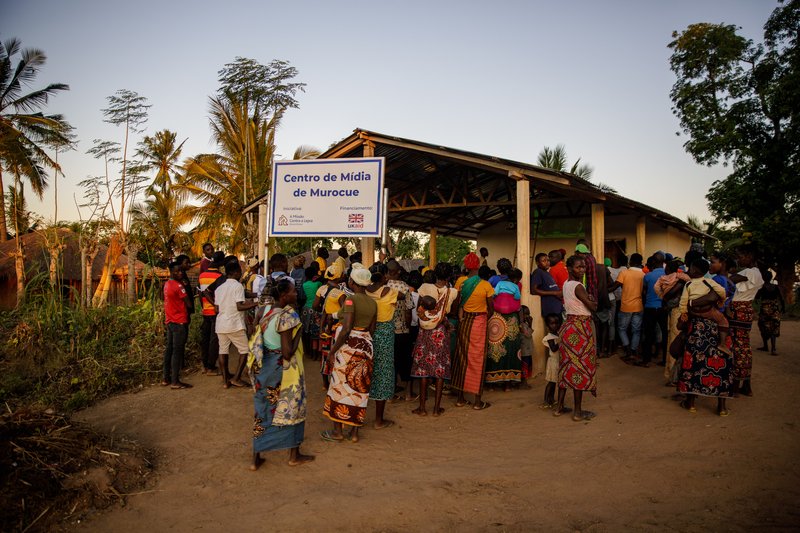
<point>132,250</point>
<point>100,297</point>
<point>3,229</point>
<point>91,254</point>
<point>786,277</point>
<point>55,248</point>
<point>82,292</point>
<point>19,263</point>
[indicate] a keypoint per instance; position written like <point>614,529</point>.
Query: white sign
<point>327,198</point>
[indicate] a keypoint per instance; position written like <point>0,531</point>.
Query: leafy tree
<point>26,132</point>
<point>449,249</point>
<point>128,109</point>
<point>245,114</point>
<point>20,218</point>
<point>738,104</point>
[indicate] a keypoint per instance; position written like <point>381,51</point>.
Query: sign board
<point>327,198</point>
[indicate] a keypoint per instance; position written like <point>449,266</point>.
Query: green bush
<point>66,357</point>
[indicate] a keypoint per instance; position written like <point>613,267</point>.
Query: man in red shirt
<point>176,305</point>
<point>557,268</point>
<point>208,252</point>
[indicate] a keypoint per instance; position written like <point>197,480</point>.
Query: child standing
<point>553,323</point>
<point>526,329</point>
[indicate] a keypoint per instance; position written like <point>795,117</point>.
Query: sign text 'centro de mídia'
<point>327,197</point>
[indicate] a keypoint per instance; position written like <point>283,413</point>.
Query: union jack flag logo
<point>355,218</point>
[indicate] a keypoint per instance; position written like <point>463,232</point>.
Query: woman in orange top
<point>469,359</point>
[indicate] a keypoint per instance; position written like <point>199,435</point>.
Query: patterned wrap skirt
<point>382,387</point>
<point>504,355</point>
<point>769,319</point>
<point>740,320</point>
<point>469,361</point>
<point>350,380</point>
<point>577,368</point>
<point>431,355</point>
<point>267,435</point>
<point>704,370</point>
<point>325,345</point>
<point>310,320</point>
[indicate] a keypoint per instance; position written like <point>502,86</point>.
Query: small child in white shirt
<point>551,341</point>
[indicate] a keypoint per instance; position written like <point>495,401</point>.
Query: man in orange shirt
<point>631,306</point>
<point>557,268</point>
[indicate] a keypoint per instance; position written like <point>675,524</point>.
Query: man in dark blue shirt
<point>543,285</point>
<point>654,314</point>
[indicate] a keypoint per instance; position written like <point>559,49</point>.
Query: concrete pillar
<point>598,232</point>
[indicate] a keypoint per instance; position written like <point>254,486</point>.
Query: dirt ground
<point>643,464</point>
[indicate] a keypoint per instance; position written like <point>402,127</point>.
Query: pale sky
<point>501,78</point>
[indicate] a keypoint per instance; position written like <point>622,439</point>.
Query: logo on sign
<point>355,220</point>
<point>283,221</point>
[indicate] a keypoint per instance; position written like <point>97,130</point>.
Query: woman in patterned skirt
<point>351,361</point>
<point>432,349</point>
<point>704,369</point>
<point>278,380</point>
<point>382,388</point>
<point>577,347</point>
<point>748,281</point>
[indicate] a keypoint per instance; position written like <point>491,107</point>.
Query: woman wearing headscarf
<point>276,370</point>
<point>432,350</point>
<point>469,360</point>
<point>328,301</point>
<point>351,360</point>
<point>382,388</point>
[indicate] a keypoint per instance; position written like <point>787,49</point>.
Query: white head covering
<point>361,276</point>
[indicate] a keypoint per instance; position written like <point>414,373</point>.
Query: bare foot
<point>583,415</point>
<point>257,461</point>
<point>385,424</point>
<point>561,411</point>
<point>301,459</point>
<point>353,436</point>
<point>239,383</point>
<point>420,411</point>
<point>438,412</point>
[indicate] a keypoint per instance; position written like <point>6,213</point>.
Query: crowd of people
<point>386,334</point>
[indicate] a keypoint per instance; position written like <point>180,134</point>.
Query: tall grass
<point>56,354</point>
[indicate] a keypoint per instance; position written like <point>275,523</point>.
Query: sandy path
<point>642,464</point>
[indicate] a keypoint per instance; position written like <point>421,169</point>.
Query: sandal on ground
<point>686,406</point>
<point>180,385</point>
<point>327,436</point>
<point>483,405</point>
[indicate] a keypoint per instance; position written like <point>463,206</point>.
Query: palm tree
<point>556,159</point>
<point>225,182</point>
<point>25,132</point>
<point>158,221</point>
<point>159,153</point>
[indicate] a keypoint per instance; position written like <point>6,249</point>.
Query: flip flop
<point>327,436</point>
<point>724,413</point>
<point>179,386</point>
<point>483,405</point>
<point>386,424</point>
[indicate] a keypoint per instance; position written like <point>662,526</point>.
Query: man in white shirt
<point>230,302</point>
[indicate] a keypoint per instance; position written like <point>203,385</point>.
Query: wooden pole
<point>262,231</point>
<point>599,232</point>
<point>368,243</point>
<point>524,235</point>
<point>432,249</point>
<point>640,235</point>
